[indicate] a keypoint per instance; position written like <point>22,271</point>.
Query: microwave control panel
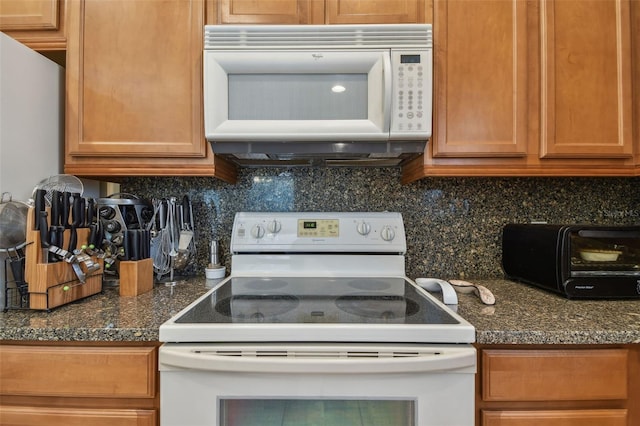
<point>412,72</point>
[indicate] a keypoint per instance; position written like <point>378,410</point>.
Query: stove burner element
<point>265,284</point>
<point>369,284</point>
<point>385,307</point>
<point>256,308</point>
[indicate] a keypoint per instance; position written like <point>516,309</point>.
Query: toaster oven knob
<point>363,228</point>
<point>274,226</point>
<point>387,233</point>
<point>257,231</point>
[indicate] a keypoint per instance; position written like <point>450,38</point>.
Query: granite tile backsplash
<point>453,225</point>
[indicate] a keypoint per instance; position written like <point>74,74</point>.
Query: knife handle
<point>126,245</point>
<point>53,241</point>
<point>134,242</point>
<point>91,211</point>
<point>66,208</point>
<point>39,206</point>
<point>145,244</point>
<point>73,239</point>
<point>44,229</point>
<point>55,208</point>
<point>77,211</point>
<point>91,239</point>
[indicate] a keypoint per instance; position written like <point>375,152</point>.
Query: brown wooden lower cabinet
<point>558,385</point>
<point>15,415</point>
<point>74,383</point>
<point>555,418</point>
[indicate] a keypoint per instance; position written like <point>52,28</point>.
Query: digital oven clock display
<point>318,228</point>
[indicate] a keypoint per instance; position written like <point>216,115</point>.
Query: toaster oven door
<point>604,252</point>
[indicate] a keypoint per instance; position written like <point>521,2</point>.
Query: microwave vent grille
<point>220,37</point>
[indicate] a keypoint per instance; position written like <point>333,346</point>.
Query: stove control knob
<point>387,233</point>
<point>274,226</point>
<point>363,228</point>
<point>257,231</point>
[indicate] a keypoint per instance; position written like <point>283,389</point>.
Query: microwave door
<point>297,95</point>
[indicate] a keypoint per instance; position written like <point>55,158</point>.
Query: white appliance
<point>31,118</point>
<point>317,324</point>
<point>31,123</point>
<point>331,92</point>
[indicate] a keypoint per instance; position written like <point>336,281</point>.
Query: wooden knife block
<point>55,284</point>
<point>136,277</point>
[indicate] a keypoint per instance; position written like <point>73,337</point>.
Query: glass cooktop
<point>308,300</point>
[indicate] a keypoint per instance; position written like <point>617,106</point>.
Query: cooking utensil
<point>13,222</point>
<point>16,261</point>
<point>186,242</point>
<point>449,296</point>
<point>482,292</point>
<point>66,208</point>
<point>44,236</point>
<point>58,183</point>
<point>39,206</point>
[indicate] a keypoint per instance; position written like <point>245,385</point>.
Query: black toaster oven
<point>576,261</point>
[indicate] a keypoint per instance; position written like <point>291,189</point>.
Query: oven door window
<point>605,253</point>
<point>265,95</point>
<point>326,412</point>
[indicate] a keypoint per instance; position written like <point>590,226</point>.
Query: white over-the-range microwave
<point>338,94</point>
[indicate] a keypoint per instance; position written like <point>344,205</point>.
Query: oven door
<point>306,384</point>
<point>297,95</point>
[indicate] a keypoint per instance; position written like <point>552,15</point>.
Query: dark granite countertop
<point>521,315</point>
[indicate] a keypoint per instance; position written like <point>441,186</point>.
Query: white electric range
<point>317,321</point>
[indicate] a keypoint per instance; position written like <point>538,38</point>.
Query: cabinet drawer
<point>122,372</point>
<point>555,418</point>
<point>553,375</point>
<point>76,416</point>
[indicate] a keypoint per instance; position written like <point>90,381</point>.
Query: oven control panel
<point>305,232</point>
<point>318,228</point>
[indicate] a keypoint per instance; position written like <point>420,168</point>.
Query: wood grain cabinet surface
<point>134,90</point>
<point>319,11</point>
<point>521,88</point>
<point>63,384</point>
<point>533,88</point>
<point>558,386</point>
<point>635,43</point>
<point>38,24</point>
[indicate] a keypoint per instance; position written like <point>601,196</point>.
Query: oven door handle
<point>311,360</point>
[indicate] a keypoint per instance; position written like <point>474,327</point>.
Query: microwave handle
<point>387,97</point>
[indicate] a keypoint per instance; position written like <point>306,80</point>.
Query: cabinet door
<point>480,78</point>
<point>134,89</point>
<point>375,11</point>
<point>554,375</point>
<point>555,418</point>
<point>37,23</point>
<point>271,12</point>
<point>35,416</point>
<point>134,77</point>
<point>585,79</point>
<point>69,371</point>
<point>635,42</point>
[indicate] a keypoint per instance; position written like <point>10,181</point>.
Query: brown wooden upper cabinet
<point>38,24</point>
<point>521,88</point>
<point>526,88</point>
<point>585,79</point>
<point>635,42</point>
<point>321,11</point>
<point>134,90</point>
